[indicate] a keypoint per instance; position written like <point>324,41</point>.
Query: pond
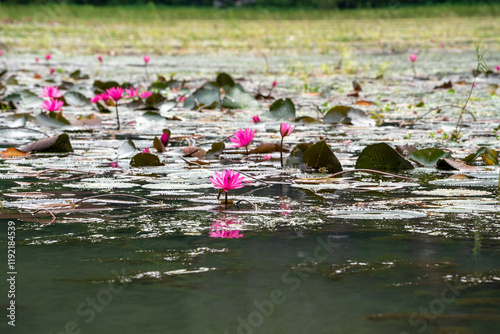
<point>292,252</point>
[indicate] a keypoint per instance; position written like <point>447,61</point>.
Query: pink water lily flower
<point>95,98</point>
<point>52,104</point>
<point>37,60</point>
<point>286,129</point>
<point>267,157</point>
<point>181,98</point>
<point>1,52</point>
<point>226,180</point>
<point>48,56</point>
<point>145,95</point>
<point>131,92</point>
<point>223,229</point>
<point>146,150</point>
<point>114,165</point>
<point>275,83</point>
<point>413,57</point>
<point>147,59</point>
<point>497,68</point>
<point>50,91</point>
<point>99,58</point>
<point>52,71</point>
<point>115,93</point>
<point>255,119</point>
<point>105,96</point>
<point>164,138</point>
<point>243,138</point>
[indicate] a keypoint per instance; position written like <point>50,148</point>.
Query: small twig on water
<point>46,210</point>
<point>256,208</point>
<point>118,195</point>
<point>372,171</point>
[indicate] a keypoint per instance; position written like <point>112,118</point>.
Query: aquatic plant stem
<point>414,70</point>
<point>225,202</point>
<point>458,127</point>
<point>281,151</point>
<point>117,117</point>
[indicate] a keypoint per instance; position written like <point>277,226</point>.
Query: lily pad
<point>76,99</point>
<point>145,159</point>
<point>382,157</point>
<point>216,150</point>
<point>282,109</point>
<point>348,115</point>
<point>239,99</point>
<point>489,156</point>
<point>225,80</point>
<point>55,144</point>
<point>320,155</point>
<point>126,149</point>
<point>207,97</point>
<point>428,156</point>
<point>296,157</point>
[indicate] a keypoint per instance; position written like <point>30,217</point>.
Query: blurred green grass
<point>165,30</point>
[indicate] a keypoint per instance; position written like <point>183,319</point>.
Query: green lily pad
<point>382,157</point>
<point>145,159</point>
<point>348,115</point>
<point>237,98</point>
<point>225,80</point>
<point>76,99</point>
<point>282,109</point>
<point>296,157</point>
<point>320,155</point>
<point>126,149</point>
<point>428,156</point>
<point>208,97</point>
<point>52,120</point>
<point>215,151</point>
<point>489,156</point>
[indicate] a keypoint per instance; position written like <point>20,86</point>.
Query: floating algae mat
<point>364,229</point>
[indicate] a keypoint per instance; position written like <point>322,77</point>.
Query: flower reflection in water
<point>225,228</point>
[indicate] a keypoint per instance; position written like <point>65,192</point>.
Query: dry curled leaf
<point>196,152</point>
<point>12,152</point>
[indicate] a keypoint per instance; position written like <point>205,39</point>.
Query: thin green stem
<point>117,117</point>
<point>414,70</point>
<point>281,151</point>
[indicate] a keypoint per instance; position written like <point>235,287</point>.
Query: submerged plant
<point>115,93</point>
<point>243,138</point>
<point>285,130</point>
<point>226,181</point>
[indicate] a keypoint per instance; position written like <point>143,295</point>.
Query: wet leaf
<point>382,157</point>
<point>348,115</point>
<point>454,164</point>
<point>307,120</point>
<point>489,156</point>
<point>216,150</point>
<point>103,107</point>
<point>30,100</point>
<point>364,103</point>
<point>446,85</point>
<point>101,86</point>
<point>126,149</point>
<point>320,155</point>
<point>12,152</point>
<point>155,100</point>
<point>406,150</point>
<point>196,152</point>
<point>158,145</point>
<point>237,98</point>
<point>145,159</point>
<point>55,144</point>
<point>428,156</point>
<point>77,75</point>
<point>266,148</point>
<point>282,109</point>
<point>76,99</point>
<point>225,80</point>
<point>52,119</point>
<point>208,97</point>
<point>296,157</point>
